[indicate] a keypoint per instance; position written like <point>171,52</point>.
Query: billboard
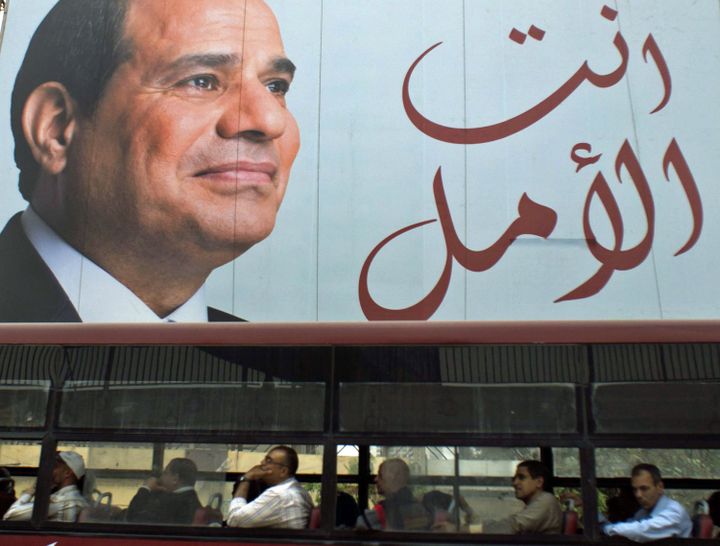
<point>459,160</point>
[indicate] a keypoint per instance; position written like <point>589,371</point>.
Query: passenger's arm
<point>21,509</point>
<point>534,516</point>
<point>668,523</point>
<point>68,510</point>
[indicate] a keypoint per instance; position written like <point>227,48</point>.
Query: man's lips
<point>261,172</point>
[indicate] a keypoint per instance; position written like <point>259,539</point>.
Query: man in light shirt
<point>659,516</point>
<point>154,145</point>
<point>66,501</point>
<point>284,504</point>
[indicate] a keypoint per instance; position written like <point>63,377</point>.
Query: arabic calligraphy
<point>535,219</point>
<point>617,259</point>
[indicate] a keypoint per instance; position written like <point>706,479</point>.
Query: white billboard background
<point>365,171</point>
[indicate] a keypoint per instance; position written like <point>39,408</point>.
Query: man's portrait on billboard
<point>154,145</point>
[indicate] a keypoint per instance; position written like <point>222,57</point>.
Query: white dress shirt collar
<point>97,295</point>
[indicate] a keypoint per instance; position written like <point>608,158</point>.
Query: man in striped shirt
<point>66,501</point>
<point>284,504</point>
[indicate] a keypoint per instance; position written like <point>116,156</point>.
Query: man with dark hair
<point>541,515</point>
<point>659,516</point>
<point>154,145</point>
<point>284,504</point>
<point>7,491</point>
<point>169,499</point>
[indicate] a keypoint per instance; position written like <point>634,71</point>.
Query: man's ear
<point>49,121</point>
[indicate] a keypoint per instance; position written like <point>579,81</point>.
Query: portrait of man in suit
<point>154,145</point>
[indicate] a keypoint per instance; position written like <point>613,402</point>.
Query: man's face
<point>525,485</point>
<point>276,467</point>
<point>168,480</point>
<point>646,492</point>
<point>60,473</point>
<point>189,152</point>
<point>380,484</point>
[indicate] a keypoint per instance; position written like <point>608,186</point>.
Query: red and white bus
<point>461,403</point>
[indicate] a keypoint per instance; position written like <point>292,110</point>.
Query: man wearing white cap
<point>66,501</point>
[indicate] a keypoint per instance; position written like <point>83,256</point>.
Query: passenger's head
<point>156,126</point>
<point>280,463</point>
<point>530,478</point>
<point>69,469</point>
<point>647,484</point>
<point>622,506</point>
<point>178,473</point>
<point>393,475</point>
<point>714,506</point>
<point>7,484</point>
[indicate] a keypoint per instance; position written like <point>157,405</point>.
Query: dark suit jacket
<point>29,292</point>
<point>163,507</point>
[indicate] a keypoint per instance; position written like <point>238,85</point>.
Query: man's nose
<point>252,112</point>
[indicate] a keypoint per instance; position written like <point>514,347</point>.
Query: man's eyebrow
<point>283,64</point>
<point>206,60</point>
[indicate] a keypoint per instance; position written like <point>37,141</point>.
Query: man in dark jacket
<point>169,499</point>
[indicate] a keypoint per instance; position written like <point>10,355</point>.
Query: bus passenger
<point>7,490</point>
<point>659,516</point>
<point>66,501</point>
<point>714,511</point>
<point>169,499</point>
<point>284,504</point>
<point>399,510</point>
<point>541,514</point>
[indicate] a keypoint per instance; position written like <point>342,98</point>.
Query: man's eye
<point>203,82</point>
<point>279,87</point>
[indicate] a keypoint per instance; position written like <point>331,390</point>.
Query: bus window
<point>175,484</point>
<point>347,508</point>
<point>190,388</point>
<point>461,489</point>
<point>689,475</point>
<point>421,407</point>
<point>25,373</point>
<point>18,461</point>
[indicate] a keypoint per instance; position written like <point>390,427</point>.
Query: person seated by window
<point>622,506</point>
<point>541,514</point>
<point>284,504</point>
<point>399,510</point>
<point>169,499</point>
<point>444,511</point>
<point>714,512</point>
<point>659,516</point>
<point>66,500</point>
<point>7,491</point>
<point>346,510</point>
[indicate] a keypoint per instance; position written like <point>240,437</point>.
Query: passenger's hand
<point>444,527</point>
<point>153,484</point>
<point>570,495</point>
<point>256,472</point>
